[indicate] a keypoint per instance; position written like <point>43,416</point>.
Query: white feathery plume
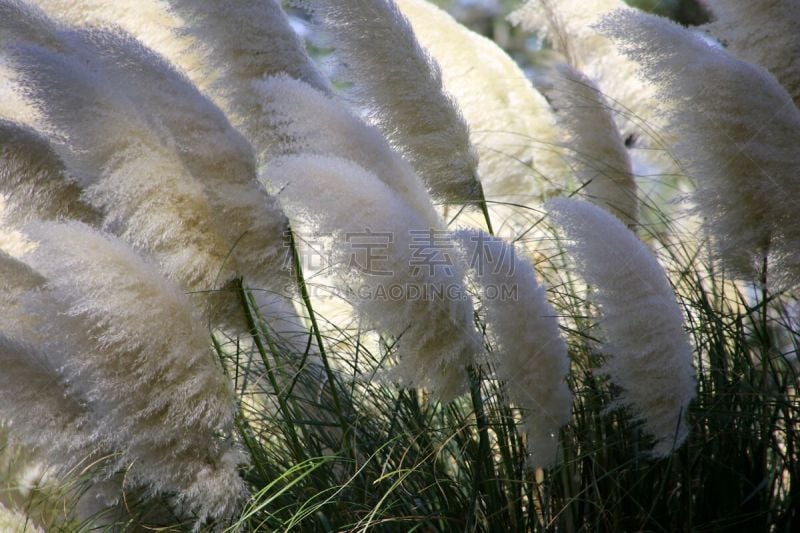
<point>34,179</point>
<point>114,101</point>
<point>650,357</point>
<point>244,42</point>
<point>244,215</point>
<point>437,339</point>
<point>151,21</point>
<point>16,279</point>
<point>131,174</point>
<point>215,154</point>
<point>141,358</point>
<point>182,236</point>
<point>42,416</point>
<point>568,26</point>
<point>35,401</point>
<point>184,186</point>
<point>510,123</point>
<point>597,152</point>
<point>530,356</point>
<point>764,32</point>
<point>311,121</point>
<point>84,121</point>
<point>400,88</point>
<point>736,131</point>
<point>221,46</point>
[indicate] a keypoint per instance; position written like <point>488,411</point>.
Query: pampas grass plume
<point>736,133</point>
<point>436,337</point>
<point>597,152</point>
<point>400,87</point>
<point>142,359</point>
<point>128,121</point>
<point>650,355</point>
<point>128,171</point>
<point>530,355</point>
<point>42,416</point>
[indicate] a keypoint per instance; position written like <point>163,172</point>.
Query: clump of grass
<point>319,440</point>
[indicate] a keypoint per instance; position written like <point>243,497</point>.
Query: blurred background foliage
<point>488,17</point>
<point>472,11</point>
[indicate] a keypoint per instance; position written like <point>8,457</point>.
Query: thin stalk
<point>484,208</point>
<point>301,283</point>
<point>262,350</point>
<point>484,468</point>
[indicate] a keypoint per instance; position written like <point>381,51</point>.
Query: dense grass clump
<point>391,284</point>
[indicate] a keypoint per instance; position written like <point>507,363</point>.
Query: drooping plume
<point>400,87</point>
<point>132,175</point>
<point>568,26</point>
<point>138,353</point>
<point>167,170</point>
<point>38,413</point>
<point>216,155</point>
<point>597,153</point>
<point>530,356</point>
<point>43,417</point>
<point>245,42</point>
<point>436,336</point>
<point>122,110</point>
<point>736,132</point>
<point>650,357</point>
<point>764,32</point>
<point>510,124</point>
<point>34,180</point>
<point>82,119</point>
<point>313,122</point>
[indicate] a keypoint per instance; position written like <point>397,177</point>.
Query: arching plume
<point>436,337</point>
<point>744,172</point>
<point>650,357</point>
<point>400,87</point>
<point>135,350</point>
<point>597,153</point>
<point>530,356</point>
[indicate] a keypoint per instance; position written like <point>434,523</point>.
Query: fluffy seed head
<point>400,87</point>
<point>736,132</point>
<point>650,355</point>
<point>597,153</point>
<point>436,337</point>
<point>530,356</point>
<point>137,352</point>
